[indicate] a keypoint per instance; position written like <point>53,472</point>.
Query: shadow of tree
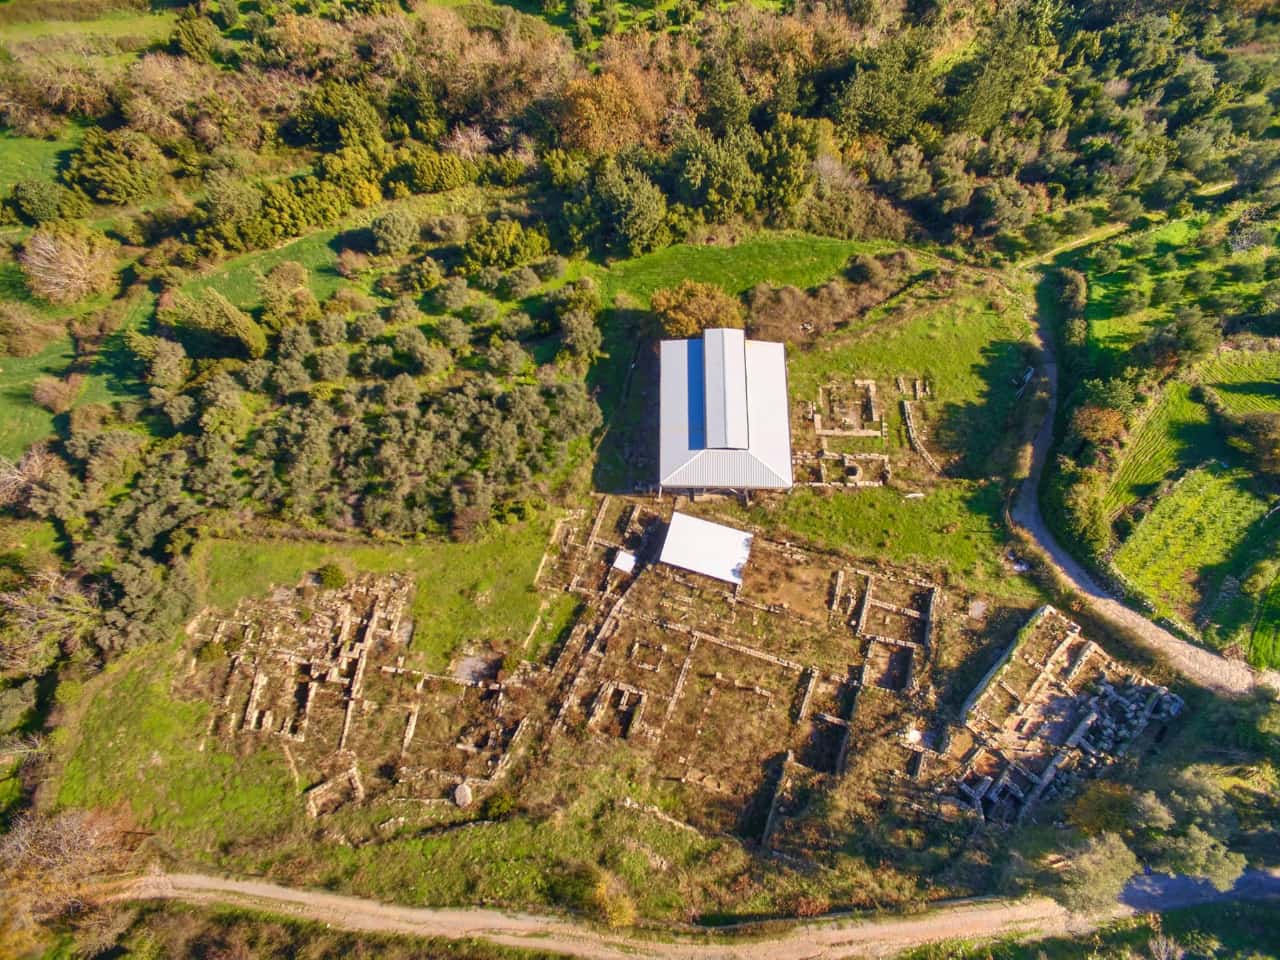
<point>119,366</point>
<point>624,380</point>
<point>1194,441</point>
<point>981,433</point>
<point>752,818</point>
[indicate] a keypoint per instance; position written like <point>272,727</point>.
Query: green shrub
<point>394,232</point>
<point>498,805</point>
<point>39,201</point>
<point>122,166</point>
<point>503,243</point>
<point>427,171</point>
<point>331,577</point>
<point>197,37</point>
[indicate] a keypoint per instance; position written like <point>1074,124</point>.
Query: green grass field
<point>467,593</point>
<point>31,158</point>
<point>1264,642</point>
<point>110,377</point>
<point>148,26</point>
<point>201,799</point>
<point>1177,433</point>
<point>1111,330</point>
<point>21,421</point>
<point>958,527</point>
<point>1169,252</point>
<point>798,259</point>
<point>237,278</point>
<point>1197,535</point>
<point>522,860</point>
<point>1247,382</point>
<point>970,348</point>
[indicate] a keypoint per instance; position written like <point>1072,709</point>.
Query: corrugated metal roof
<point>686,457</point>
<point>724,363</point>
<point>707,548</point>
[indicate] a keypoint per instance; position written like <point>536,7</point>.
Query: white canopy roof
<point>707,548</point>
<point>725,420</point>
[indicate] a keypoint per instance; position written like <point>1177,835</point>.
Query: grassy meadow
<point>33,158</point>
<point>1264,639</point>
<point>470,593</point>
<point>779,258</point>
<point>972,348</point>
<point>956,529</point>
<point>1245,381</point>
<point>237,278</point>
<point>21,421</point>
<point>1162,251</point>
<point>135,28</point>
<point>133,743</point>
<point>108,376</point>
<point>1172,264</point>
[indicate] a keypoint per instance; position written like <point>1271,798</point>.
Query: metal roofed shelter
<point>725,419</point>
<point>707,548</point>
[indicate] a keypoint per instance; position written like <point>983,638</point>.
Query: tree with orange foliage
<point>693,306</point>
<point>1098,425</point>
<point>610,111</point>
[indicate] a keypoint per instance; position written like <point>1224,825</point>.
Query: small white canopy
<point>624,561</point>
<point>707,548</point>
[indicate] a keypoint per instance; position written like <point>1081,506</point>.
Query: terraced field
<point>1177,433</point>
<point>1206,529</point>
<point>1264,645</point>
<point>1247,382</point>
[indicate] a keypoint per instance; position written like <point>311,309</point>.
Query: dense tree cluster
<point>818,118</point>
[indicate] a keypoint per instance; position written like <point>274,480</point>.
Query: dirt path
<point>1093,236</point>
<point>1202,666</point>
<point>829,940</point>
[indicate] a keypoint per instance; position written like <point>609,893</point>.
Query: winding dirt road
<point>828,939</point>
<point>1197,664</point>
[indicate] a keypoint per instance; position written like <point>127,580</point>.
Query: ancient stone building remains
<point>1054,710</point>
<point>749,696</point>
<point>329,674</point>
<point>740,691</point>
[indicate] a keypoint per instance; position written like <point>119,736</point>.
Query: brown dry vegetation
<point>23,332</point>
<point>802,317</point>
